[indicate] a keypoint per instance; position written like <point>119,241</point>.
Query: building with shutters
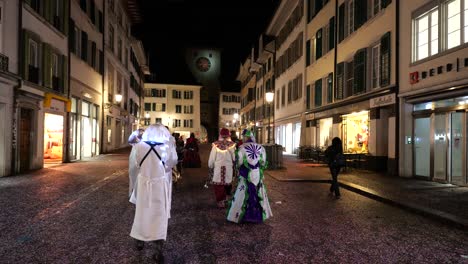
<point>247,78</point>
<point>229,110</point>
<point>41,101</point>
<point>9,80</point>
<point>117,40</point>
<point>287,27</point>
<point>86,77</point>
<point>351,79</point>
<point>433,90</point>
<point>138,69</point>
<point>176,106</point>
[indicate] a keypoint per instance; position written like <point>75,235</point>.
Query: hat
<point>247,133</point>
<point>224,132</point>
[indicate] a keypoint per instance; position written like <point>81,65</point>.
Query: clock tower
<point>205,66</point>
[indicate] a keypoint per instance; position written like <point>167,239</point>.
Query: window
<point>178,109</point>
<point>318,44</point>
<point>93,55</point>
<point>349,78</point>
<point>283,95</point>
<point>176,94</point>
<point>111,38</point>
<point>375,74</point>
<point>119,49</point>
<point>339,87</point>
<point>330,88</point>
<point>331,34</point>
<point>308,97</point>
<point>33,53</point>
<point>110,83</point>
<point>176,123</point>
<point>453,14</point>
<point>375,7</point>
<point>350,17</point>
<point>158,120</point>
<point>188,109</point>
<point>147,106</point>
<point>188,94</point>
<point>83,5</point>
<point>160,107</point>
<point>318,93</point>
<point>308,52</point>
<point>84,46</point>
<point>427,37</point>
<point>290,87</point>
<point>55,65</point>
<point>360,59</point>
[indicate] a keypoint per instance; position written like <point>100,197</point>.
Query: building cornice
<point>281,14</point>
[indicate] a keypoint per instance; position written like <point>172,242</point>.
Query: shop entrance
<point>53,138</point>
<point>26,132</point>
<point>443,158</point>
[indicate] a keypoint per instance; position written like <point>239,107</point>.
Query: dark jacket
<point>330,154</point>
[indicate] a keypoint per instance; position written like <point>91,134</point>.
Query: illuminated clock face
<point>203,64</point>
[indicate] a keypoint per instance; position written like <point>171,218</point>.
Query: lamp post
<point>269,96</point>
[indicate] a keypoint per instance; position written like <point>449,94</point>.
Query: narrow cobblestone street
<point>79,213</point>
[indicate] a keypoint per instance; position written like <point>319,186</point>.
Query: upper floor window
<point>33,53</point>
<point>178,109</point>
<point>176,94</point>
<point>439,27</point>
<point>188,94</point>
<point>111,37</point>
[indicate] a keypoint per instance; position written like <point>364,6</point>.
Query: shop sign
<point>383,100</point>
<point>57,105</point>
<point>415,77</point>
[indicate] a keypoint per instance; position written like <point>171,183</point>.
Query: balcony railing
<point>3,63</point>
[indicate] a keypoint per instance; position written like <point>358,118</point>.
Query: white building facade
<point>9,79</point>
<point>229,110</point>
<point>351,79</point>
<point>287,26</point>
<point>86,78</point>
<point>434,90</point>
<point>117,127</point>
<point>175,106</point>
<point>41,101</point>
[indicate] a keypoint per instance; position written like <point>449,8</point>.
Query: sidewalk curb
<point>440,216</point>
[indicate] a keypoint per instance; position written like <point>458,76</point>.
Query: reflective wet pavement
<point>79,213</point>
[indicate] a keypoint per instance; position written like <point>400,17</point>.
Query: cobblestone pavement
<point>79,213</point>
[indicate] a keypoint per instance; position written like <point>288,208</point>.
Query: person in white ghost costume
<point>154,158</point>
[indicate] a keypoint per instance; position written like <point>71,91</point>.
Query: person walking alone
<point>221,161</point>
<point>334,155</point>
<point>250,202</point>
<point>154,158</point>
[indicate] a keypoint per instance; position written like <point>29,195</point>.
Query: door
<point>25,135</point>
<point>440,146</point>
<point>422,146</point>
<point>457,143</point>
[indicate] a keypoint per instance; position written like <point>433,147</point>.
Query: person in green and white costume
<point>250,202</point>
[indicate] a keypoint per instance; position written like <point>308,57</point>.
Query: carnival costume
<point>221,161</point>
<point>250,202</point>
<point>191,156</point>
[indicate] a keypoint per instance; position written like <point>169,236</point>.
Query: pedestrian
<point>221,161</point>
<point>135,137</point>
<point>180,152</point>
<point>250,202</point>
<point>335,158</point>
<point>154,157</point>
<point>191,155</point>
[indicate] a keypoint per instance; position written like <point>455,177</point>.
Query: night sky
<point>169,26</point>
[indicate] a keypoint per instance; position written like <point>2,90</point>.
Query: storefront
<point>439,141</point>
<point>366,127</point>
<point>355,132</point>
<point>84,129</point>
<point>289,136</point>
<point>55,109</point>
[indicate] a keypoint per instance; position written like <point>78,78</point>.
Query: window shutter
<point>65,18</point>
<point>385,57</point>
<point>164,107</point>
<point>360,13</point>
<point>318,93</point>
<point>341,22</point>
<point>101,62</point>
<point>71,37</point>
<point>46,65</point>
<point>84,46</point>
<point>47,11</point>
<point>101,22</point>
<point>318,46</point>
<point>385,3</point>
<point>359,84</point>
<point>89,51</point>
<point>339,81</point>
<point>26,55</point>
<point>330,88</point>
<point>331,34</point>
<point>308,52</point>
<point>308,97</point>
<point>64,73</point>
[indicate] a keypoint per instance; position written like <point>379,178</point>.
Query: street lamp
<point>269,96</point>
<point>118,99</point>
<point>236,117</point>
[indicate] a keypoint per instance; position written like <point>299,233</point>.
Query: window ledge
<point>44,21</point>
<point>440,54</point>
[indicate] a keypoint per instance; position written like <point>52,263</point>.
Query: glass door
<point>440,146</point>
<point>422,146</point>
<point>457,143</point>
